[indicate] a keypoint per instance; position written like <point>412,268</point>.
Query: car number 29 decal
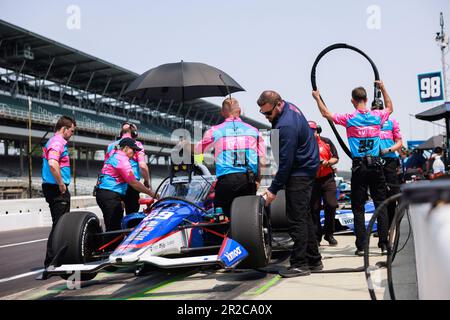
<point>163,215</point>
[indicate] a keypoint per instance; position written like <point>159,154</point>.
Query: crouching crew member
<point>239,152</point>
<point>363,132</point>
<point>116,176</point>
<point>56,176</point>
<point>140,168</point>
<point>324,188</point>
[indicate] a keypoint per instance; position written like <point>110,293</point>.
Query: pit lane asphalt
<point>22,258</point>
<point>21,255</point>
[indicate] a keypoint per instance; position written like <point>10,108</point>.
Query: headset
<point>318,127</point>
<point>133,127</point>
<point>377,104</point>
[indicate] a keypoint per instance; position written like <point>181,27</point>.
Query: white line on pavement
<point>23,275</point>
<point>21,243</point>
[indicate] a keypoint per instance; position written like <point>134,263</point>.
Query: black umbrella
<point>182,81</point>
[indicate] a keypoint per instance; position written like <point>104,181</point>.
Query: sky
<point>262,45</point>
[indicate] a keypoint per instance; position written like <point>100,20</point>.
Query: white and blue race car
<point>181,229</point>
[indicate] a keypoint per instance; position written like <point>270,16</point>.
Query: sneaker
<point>294,272</point>
<point>359,253</point>
<point>375,234</point>
<point>384,250</point>
<point>316,266</point>
<point>331,240</point>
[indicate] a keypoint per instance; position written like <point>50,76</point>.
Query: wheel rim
<point>89,241</point>
<point>265,230</point>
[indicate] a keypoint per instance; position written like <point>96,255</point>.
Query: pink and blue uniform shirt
<point>139,156</point>
<point>390,132</point>
<point>116,173</point>
<point>56,149</point>
<point>363,130</point>
<point>237,146</point>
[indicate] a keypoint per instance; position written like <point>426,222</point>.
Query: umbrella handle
<point>226,86</point>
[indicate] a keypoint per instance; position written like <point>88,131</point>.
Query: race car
<point>343,220</point>
<point>181,229</point>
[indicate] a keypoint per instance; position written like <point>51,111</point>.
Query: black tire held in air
<point>76,231</point>
<point>248,221</point>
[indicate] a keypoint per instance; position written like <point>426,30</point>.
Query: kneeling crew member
<point>239,152</point>
<point>117,174</point>
<point>140,168</point>
<point>324,187</point>
<point>363,132</point>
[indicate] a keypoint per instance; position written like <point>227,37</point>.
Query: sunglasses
<point>268,113</point>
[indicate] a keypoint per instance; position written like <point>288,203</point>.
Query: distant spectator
<point>437,164</point>
<point>403,159</point>
<point>415,166</point>
<point>416,160</point>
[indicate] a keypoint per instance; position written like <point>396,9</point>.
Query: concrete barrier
<point>430,221</point>
<point>33,213</point>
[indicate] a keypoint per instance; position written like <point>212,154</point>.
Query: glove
<point>385,151</point>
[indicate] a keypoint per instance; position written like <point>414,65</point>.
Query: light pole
<point>30,163</point>
<point>442,40</point>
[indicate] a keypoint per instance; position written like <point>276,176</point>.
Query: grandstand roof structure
<point>53,64</point>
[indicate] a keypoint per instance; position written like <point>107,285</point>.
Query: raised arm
<point>387,99</point>
<point>326,113</point>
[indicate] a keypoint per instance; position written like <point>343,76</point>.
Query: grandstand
<point>60,80</point>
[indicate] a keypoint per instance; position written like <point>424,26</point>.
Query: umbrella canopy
<point>433,142</point>
<point>182,81</point>
<point>436,113</point>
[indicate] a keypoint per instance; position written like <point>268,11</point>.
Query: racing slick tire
<point>76,230</point>
<point>278,218</point>
<point>250,227</point>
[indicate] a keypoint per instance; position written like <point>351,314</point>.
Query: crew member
<point>56,176</point>
<point>390,143</point>
<point>116,176</point>
<point>363,132</point>
<point>239,152</point>
<point>324,187</point>
<point>140,168</point>
<point>297,168</point>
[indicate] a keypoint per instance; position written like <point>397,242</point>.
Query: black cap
<point>128,142</point>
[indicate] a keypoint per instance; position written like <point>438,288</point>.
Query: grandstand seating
<point>49,111</point>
